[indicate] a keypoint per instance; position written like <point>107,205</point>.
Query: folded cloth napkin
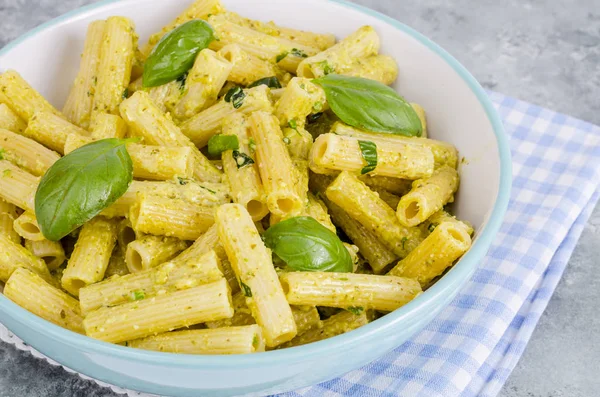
<point>473,345</point>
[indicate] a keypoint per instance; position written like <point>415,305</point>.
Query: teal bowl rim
<point>447,285</point>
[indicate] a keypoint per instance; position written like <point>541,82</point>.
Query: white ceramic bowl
<point>458,111</point>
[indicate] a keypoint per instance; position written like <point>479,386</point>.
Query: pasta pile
<point>262,214</point>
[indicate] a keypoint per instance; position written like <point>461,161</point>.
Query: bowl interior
<point>457,112</point>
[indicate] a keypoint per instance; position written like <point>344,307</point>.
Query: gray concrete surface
<point>542,51</point>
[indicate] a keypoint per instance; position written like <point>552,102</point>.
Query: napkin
<point>471,348</point>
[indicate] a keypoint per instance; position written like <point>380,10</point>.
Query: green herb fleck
<point>246,290</point>
<point>403,241</point>
<point>236,96</point>
<point>286,140</point>
<point>298,53</point>
<point>125,94</point>
<point>241,159</point>
<point>182,181</point>
<point>327,69</point>
<point>252,145</point>
<point>318,106</point>
<point>220,143</point>
<point>431,227</point>
<point>293,124</point>
<point>210,190</point>
<point>369,154</point>
<point>6,173</point>
<point>2,151</point>
<point>281,56</point>
<point>356,310</point>
<point>181,80</point>
<point>271,82</point>
<point>255,341</point>
<point>138,295</point>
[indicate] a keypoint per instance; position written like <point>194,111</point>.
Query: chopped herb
<point>182,181</point>
<point>242,159</point>
<point>6,173</point>
<point>298,53</point>
<point>2,154</point>
<point>369,154</point>
<point>252,145</point>
<point>432,227</point>
<point>210,190</point>
<point>293,124</point>
<point>126,343</point>
<point>95,79</point>
<point>220,143</point>
<point>327,69</point>
<point>281,56</point>
<point>314,117</point>
<point>286,140</point>
<point>318,106</point>
<point>182,79</point>
<point>270,82</point>
<point>236,96</point>
<point>246,290</point>
<point>255,341</point>
<point>125,94</point>
<point>356,310</point>
<point>403,241</point>
<point>89,93</point>
<point>138,295</point>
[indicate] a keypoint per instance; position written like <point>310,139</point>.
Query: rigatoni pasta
<point>10,121</point>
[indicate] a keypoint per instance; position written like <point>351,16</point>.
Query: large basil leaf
<point>80,185</point>
<point>306,245</point>
<point>176,52</point>
<point>370,105</point>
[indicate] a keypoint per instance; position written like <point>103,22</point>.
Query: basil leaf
<point>220,143</point>
<point>370,105</point>
<point>241,159</point>
<point>80,185</point>
<point>369,153</point>
<point>306,245</point>
<point>236,96</point>
<point>281,56</point>
<point>176,52</point>
<point>245,289</point>
<point>271,82</point>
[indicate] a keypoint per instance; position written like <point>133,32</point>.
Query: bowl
<point>458,111</point>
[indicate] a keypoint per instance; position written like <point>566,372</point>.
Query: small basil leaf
<point>306,245</point>
<point>241,159</point>
<point>271,82</point>
<point>80,185</point>
<point>236,96</point>
<point>245,289</point>
<point>369,153</point>
<point>220,143</point>
<point>370,105</point>
<point>281,56</point>
<point>175,53</point>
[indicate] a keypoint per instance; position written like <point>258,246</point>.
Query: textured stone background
<point>542,51</point>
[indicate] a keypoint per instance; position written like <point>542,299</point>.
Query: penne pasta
<point>10,121</point>
<point>247,68</point>
<point>17,187</point>
<point>22,98</point>
<point>8,214</point>
<point>150,251</point>
<point>51,130</point>
<point>26,153</point>
<point>382,68</point>
<point>15,256</point>
<point>51,252</point>
<point>258,280</point>
<point>27,227</point>
<point>106,126</point>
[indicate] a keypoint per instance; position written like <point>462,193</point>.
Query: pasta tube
<point>207,123</point>
<point>361,44</point>
<point>436,253</point>
<point>14,256</point>
<point>332,152</point>
<point>151,251</point>
<point>107,125</point>
<point>51,130</point>
<point>23,99</point>
<point>146,120</point>
<point>26,152</point>
<point>51,252</point>
<point>34,294</point>
<point>275,165</point>
<point>364,205</point>
<point>230,340</point>
<point>168,277</point>
<point>160,313</point>
<point>91,255</point>
<point>8,214</point>
<point>202,86</point>
<point>18,187</point>
<point>114,66</point>
<point>244,181</point>
<point>427,196</point>
<point>348,290</point>
<point>170,217</point>
<point>246,68</point>
<point>382,68</point>
<point>443,152</point>
<point>10,121</point>
<point>300,98</point>
<point>78,106</point>
<point>27,227</point>
<point>258,280</point>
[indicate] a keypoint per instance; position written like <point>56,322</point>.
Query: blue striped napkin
<point>474,344</point>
